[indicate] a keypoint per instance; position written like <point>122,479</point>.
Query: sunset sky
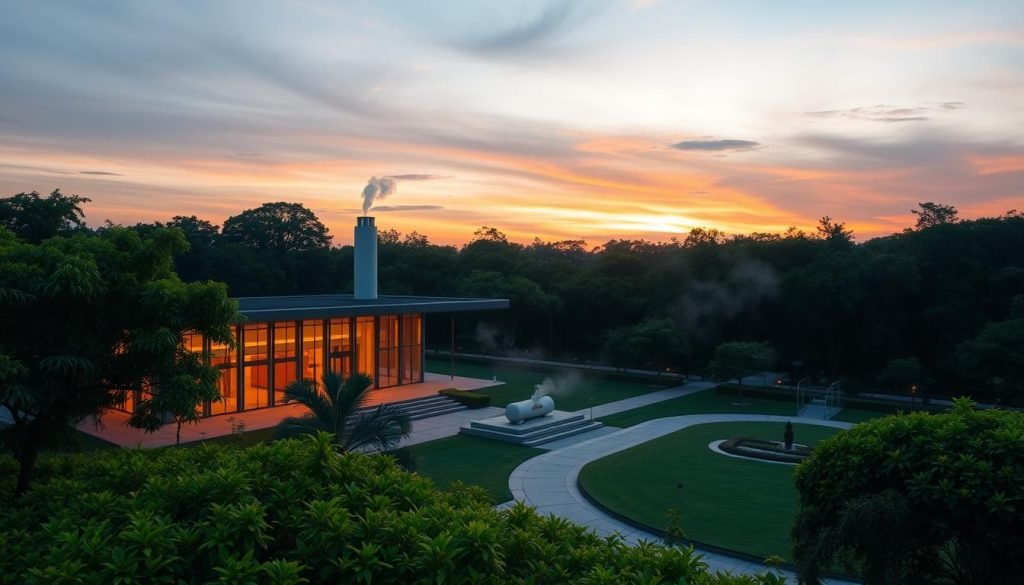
<point>584,120</point>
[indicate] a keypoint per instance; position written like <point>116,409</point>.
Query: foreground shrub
<point>920,498</point>
<point>293,512</point>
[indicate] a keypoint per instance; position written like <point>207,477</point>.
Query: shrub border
<point>469,399</point>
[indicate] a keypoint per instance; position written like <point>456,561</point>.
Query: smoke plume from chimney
<point>377,189</point>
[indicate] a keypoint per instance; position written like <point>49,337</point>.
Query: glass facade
<point>255,371</point>
<point>412,349</point>
<point>256,358</point>
<point>312,365</point>
<point>387,351</point>
<point>341,346</point>
<point>286,353</point>
<point>224,357</point>
<point>193,343</point>
<point>365,346</point>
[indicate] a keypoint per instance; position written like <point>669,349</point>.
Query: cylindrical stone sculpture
<point>518,412</point>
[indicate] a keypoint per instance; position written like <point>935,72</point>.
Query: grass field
<point>738,504</point>
<point>711,402</point>
<point>472,460</point>
<point>704,402</point>
<point>581,389</point>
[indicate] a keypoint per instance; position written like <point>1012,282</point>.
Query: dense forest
<point>939,306</point>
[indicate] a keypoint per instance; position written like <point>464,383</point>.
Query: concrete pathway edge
<point>549,482</point>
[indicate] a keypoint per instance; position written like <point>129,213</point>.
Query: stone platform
<point>532,432</point>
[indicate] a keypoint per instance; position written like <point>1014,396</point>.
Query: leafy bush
<point>294,511</point>
<point>917,498</point>
<point>466,398</point>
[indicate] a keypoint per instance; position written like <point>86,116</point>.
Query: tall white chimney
<point>365,258</point>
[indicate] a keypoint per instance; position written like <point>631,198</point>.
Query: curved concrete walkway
<point>548,482</point>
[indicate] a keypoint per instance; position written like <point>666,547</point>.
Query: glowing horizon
<point>558,120</point>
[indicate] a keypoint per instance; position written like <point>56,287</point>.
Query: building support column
<point>452,349</point>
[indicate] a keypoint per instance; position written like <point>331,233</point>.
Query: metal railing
<point>801,394</point>
<point>834,399</point>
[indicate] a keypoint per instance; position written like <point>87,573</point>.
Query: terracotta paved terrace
<point>113,428</point>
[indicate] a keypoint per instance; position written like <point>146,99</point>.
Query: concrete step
<point>437,411</point>
<point>421,400</point>
<point>585,428</point>
<point>536,434</point>
<point>421,408</point>
<point>819,410</point>
<point>532,427</point>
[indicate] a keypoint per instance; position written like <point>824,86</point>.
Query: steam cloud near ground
<point>557,386</point>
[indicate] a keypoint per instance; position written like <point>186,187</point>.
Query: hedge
<point>294,511</point>
<point>789,394</point>
<point>467,398</point>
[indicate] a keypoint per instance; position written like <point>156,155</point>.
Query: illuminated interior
<point>255,373</point>
<point>365,346</point>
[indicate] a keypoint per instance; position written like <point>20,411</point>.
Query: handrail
<point>834,399</point>
<point>800,391</point>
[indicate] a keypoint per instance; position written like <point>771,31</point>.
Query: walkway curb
<point>549,482</point>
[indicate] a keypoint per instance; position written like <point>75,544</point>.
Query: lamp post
<point>913,397</point>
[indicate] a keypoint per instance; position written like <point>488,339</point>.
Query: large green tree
<point>87,319</point>
<point>280,226</point>
<point>996,358</point>
<point>652,343</point>
<point>916,498</point>
<point>930,214</point>
<point>34,218</point>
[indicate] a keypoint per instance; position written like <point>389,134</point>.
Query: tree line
<point>936,308</point>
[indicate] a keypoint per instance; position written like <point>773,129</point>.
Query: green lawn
<point>741,505</point>
<point>704,402</point>
<point>473,460</point>
<point>585,390</point>
<point>711,402</point>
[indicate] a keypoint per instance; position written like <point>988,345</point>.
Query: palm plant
<point>334,407</point>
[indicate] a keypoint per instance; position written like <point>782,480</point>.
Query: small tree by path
<point>735,359</point>
<point>904,375</point>
<point>179,396</point>
<point>334,408</point>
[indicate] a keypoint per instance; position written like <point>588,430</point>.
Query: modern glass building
<point>296,337</point>
<point>290,338</point>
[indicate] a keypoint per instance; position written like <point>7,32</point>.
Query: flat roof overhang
<point>288,308</point>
